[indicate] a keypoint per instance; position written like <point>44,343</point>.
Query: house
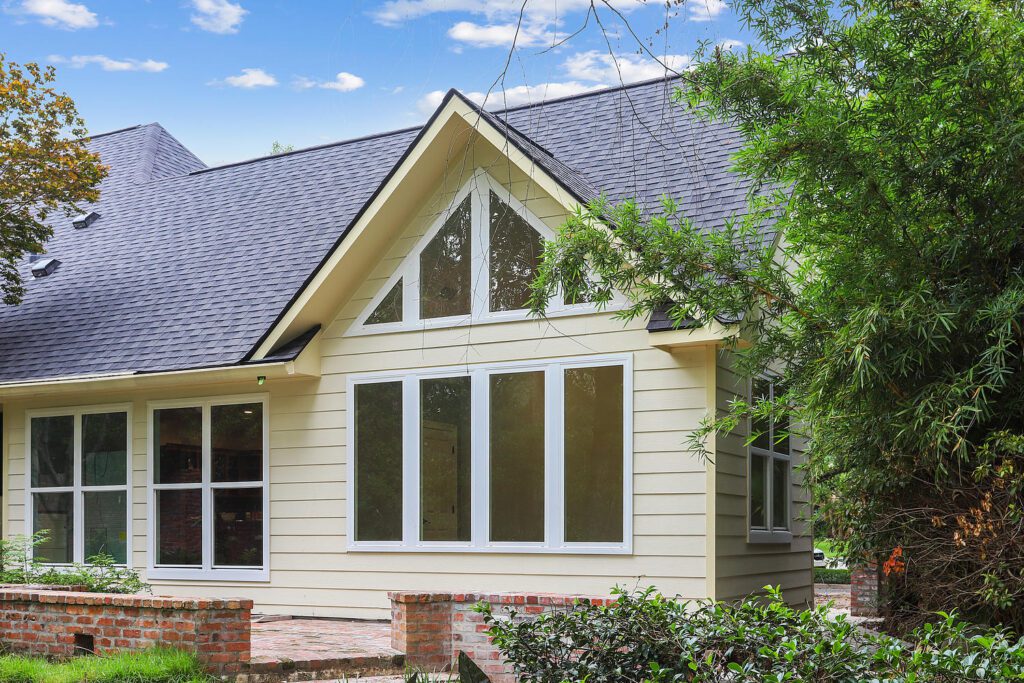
<point>310,379</point>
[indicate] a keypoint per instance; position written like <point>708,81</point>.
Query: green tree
<point>44,165</point>
<point>885,140</point>
<point>281,148</point>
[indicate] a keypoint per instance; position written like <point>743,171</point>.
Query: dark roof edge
<point>589,93</point>
<point>498,122</point>
<point>87,138</point>
<point>409,129</point>
<point>314,148</point>
<point>355,219</point>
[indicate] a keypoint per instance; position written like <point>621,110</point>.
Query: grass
<point>832,549</point>
<point>152,666</point>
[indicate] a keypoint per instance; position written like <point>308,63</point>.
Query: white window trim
<point>207,572</point>
<point>77,489</point>
<point>480,510</point>
<point>478,188</point>
<point>769,535</point>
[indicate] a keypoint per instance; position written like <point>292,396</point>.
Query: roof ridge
<point>409,129</point>
<point>588,93</point>
<point>313,148</point>
<point>113,132</point>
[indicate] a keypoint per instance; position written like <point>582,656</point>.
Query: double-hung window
<point>208,493</point>
<point>523,457</point>
<point>769,473</point>
<point>79,463</point>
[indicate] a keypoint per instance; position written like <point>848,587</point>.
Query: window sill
<point>582,549</point>
<point>232,575</point>
<point>762,537</point>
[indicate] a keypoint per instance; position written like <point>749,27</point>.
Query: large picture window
<point>475,263</point>
<point>79,462</point>
<point>533,457</point>
<point>769,475</point>
<point>208,489</point>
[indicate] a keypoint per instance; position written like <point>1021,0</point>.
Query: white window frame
<point>77,489</point>
<point>478,188</point>
<point>479,480</point>
<point>207,572</point>
<point>769,534</point>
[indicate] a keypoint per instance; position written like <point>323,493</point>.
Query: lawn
<point>152,666</point>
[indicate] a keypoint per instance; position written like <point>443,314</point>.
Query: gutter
<point>119,382</point>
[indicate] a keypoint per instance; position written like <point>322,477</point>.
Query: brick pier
<point>433,628</point>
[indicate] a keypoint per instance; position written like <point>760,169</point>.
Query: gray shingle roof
<point>189,266</point>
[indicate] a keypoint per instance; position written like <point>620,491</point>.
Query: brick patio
<point>312,649</point>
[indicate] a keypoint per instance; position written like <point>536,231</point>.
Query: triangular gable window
<point>443,282</point>
<point>389,310</point>
<point>445,268</point>
<point>514,257</point>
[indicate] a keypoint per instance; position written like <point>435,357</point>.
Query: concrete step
<point>362,668</point>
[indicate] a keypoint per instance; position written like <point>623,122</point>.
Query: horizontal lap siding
<point>313,573</point>
<point>743,568</point>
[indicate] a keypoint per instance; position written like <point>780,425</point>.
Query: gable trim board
<point>683,517</point>
<point>454,105</point>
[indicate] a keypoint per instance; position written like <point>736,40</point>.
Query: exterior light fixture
<point>261,380</point>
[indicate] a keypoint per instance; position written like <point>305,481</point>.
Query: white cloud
<point>109,64</point>
<point>585,72</point>
<point>343,82</point>
<point>396,12</point>
<point>61,13</point>
<point>249,78</point>
<point>218,16</point>
<point>602,67</point>
<point>511,97</point>
<point>499,35</point>
<point>705,10</point>
<point>729,43</point>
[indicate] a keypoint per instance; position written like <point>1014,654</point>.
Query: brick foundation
<point>865,592</point>
<point>62,623</point>
<point>433,628</point>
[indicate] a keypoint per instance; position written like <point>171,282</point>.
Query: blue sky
<point>229,77</point>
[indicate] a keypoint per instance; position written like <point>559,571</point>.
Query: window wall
<point>524,456</point>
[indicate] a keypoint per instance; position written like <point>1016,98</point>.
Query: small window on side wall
<point>768,473</point>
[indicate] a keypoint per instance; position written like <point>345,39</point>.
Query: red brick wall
<point>46,622</point>
<point>865,592</point>
<point>433,628</point>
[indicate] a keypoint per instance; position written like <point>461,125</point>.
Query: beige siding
<point>742,568</point>
<point>312,570</point>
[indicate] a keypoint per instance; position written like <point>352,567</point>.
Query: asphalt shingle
<point>189,266</point>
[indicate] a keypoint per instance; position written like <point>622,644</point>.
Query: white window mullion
<point>78,497</point>
<point>410,460</point>
<point>207,490</point>
<point>481,461</point>
<point>554,459</point>
<point>479,248</point>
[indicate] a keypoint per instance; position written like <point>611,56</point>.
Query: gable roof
<point>189,266</point>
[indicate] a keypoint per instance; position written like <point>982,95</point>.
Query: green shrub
<point>101,574</point>
<point>151,666</point>
<point>647,637</point>
<point>829,575</point>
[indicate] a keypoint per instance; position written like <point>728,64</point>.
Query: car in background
<point>819,558</point>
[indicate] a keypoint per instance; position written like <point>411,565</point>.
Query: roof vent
<point>85,220</point>
<point>44,267</point>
